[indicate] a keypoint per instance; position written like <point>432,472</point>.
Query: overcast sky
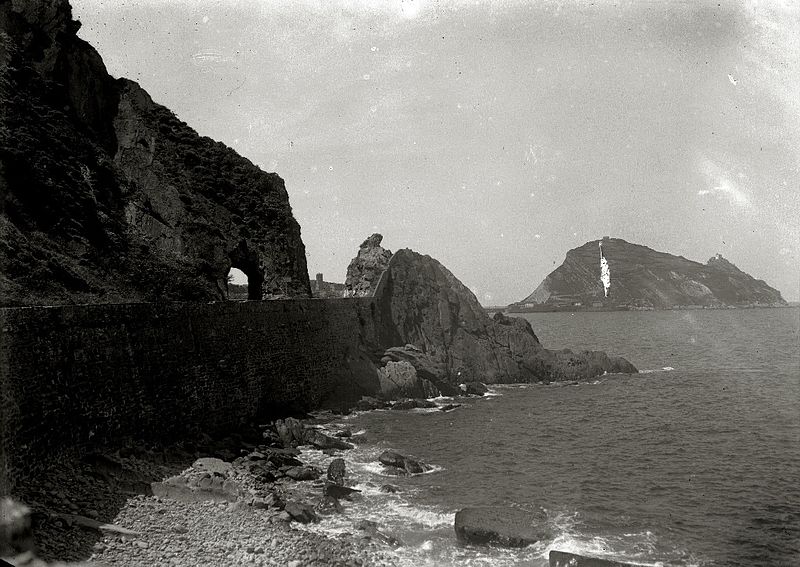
<point>493,136</point>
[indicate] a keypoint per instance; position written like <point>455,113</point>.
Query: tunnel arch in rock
<point>247,260</point>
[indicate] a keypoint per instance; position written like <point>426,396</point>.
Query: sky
<point>493,135</point>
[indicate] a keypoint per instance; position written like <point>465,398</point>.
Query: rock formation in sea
<point>435,324</point>
<point>643,278</point>
<point>366,268</point>
<point>108,196</point>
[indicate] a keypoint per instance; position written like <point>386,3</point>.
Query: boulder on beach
<point>396,460</point>
<point>497,525</point>
<point>337,471</point>
<point>432,374</point>
<point>300,512</point>
<point>564,559</point>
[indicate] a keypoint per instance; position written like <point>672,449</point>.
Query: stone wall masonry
<point>81,376</point>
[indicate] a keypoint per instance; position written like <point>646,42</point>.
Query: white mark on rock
<point>605,272</point>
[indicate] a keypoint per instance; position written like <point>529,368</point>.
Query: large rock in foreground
<point>564,559</point>
<point>506,527</point>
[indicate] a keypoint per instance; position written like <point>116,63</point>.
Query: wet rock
<point>409,465</point>
<point>337,471</point>
<point>321,441</point>
<point>300,512</point>
<point>474,388</point>
<point>389,488</point>
<point>449,407</point>
<point>330,505</point>
<point>345,433</point>
<point>368,403</point>
<point>290,431</point>
<point>564,559</point>
<point>303,473</point>
<point>431,373</point>
<point>283,458</point>
<point>506,527</point>
<point>369,529</point>
<point>413,403</point>
<point>338,491</point>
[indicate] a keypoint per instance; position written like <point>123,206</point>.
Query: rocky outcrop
<point>450,340</point>
<point>108,197</point>
<point>402,463</point>
<point>643,278</point>
<point>506,527</point>
<point>366,268</point>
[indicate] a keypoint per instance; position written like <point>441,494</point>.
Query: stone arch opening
<point>245,262</point>
<point>238,285</point>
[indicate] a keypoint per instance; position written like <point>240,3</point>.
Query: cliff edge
<point>643,278</point>
<point>106,196</point>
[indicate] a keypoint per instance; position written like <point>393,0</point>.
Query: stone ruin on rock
<point>109,197</point>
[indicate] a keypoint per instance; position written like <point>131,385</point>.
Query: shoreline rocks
<point>505,527</point>
<point>564,559</point>
<point>403,463</point>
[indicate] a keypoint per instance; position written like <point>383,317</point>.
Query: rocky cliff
<point>435,323</point>
<point>106,196</point>
<point>366,268</point>
<point>643,278</point>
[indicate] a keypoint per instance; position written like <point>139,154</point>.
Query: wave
<point>663,369</point>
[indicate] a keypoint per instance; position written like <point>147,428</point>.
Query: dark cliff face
<point>107,196</point>
<point>645,278</point>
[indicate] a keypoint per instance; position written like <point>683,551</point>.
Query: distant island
<point>612,274</point>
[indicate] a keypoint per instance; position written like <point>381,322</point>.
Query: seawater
<point>694,461</point>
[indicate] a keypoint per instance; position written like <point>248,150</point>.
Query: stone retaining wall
<point>89,375</point>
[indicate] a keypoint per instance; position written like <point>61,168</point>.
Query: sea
<point>693,461</point>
